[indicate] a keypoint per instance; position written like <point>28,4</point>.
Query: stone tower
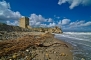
<point>24,22</point>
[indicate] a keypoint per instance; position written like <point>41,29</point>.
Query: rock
<point>14,56</point>
<point>46,44</point>
<point>48,34</point>
<point>54,52</point>
<point>22,54</point>
<point>47,55</point>
<point>62,54</point>
<point>55,30</point>
<point>82,59</point>
<point>10,59</point>
<point>27,50</point>
<point>2,58</point>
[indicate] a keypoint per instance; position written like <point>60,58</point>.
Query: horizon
<point>69,15</point>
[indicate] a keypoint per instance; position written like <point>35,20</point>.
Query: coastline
<point>68,44</point>
<point>36,46</point>
<point>70,47</point>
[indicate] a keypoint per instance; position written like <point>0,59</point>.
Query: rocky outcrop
<point>55,30</point>
<point>51,30</point>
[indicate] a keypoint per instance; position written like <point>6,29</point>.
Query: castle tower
<point>24,22</point>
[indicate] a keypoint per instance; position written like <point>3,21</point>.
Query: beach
<point>35,46</point>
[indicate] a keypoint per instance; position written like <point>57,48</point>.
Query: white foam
<point>81,43</point>
<point>76,35</point>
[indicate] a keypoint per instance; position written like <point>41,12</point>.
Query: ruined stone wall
<point>9,28</point>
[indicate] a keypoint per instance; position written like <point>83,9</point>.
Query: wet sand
<point>35,46</point>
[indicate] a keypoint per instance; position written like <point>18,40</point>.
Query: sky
<point>69,15</point>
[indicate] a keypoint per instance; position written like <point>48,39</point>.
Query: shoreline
<point>69,45</point>
<point>37,46</point>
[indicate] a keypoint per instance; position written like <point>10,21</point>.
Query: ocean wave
<point>77,33</point>
<point>74,38</point>
<point>80,43</point>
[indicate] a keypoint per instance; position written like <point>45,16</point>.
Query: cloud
<point>74,3</point>
<point>77,26</point>
<point>14,23</point>
<point>43,25</point>
<point>6,13</point>
<point>52,24</point>
<point>68,25</point>
<point>50,20</point>
<point>60,22</point>
<point>80,24</point>
<point>65,21</point>
<point>86,24</point>
<point>39,20</point>
<point>76,23</point>
<point>56,17</point>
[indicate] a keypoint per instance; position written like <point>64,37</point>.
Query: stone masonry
<point>24,22</point>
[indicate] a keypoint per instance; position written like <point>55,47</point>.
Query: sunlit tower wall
<point>24,22</point>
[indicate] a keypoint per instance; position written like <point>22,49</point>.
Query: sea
<point>81,43</point>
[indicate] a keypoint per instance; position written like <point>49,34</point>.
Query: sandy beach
<point>35,46</point>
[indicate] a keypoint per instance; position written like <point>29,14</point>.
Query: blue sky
<point>70,15</point>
